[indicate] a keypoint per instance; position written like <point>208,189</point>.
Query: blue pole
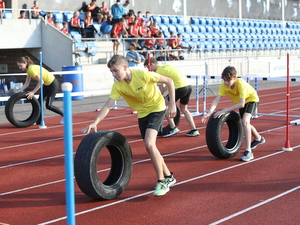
<point>69,164</point>
<point>42,125</point>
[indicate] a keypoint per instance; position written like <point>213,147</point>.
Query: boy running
<point>138,88</point>
<point>246,100</point>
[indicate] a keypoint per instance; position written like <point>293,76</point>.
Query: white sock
<point>259,139</point>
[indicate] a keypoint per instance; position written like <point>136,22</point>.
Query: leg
<point>247,129</point>
<point>188,116</point>
<point>50,93</point>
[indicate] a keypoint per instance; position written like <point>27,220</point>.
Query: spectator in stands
<point>134,31</point>
<point>116,33</point>
<point>160,42</point>
<point>148,19</point>
<point>129,18</point>
<point>117,11</point>
<point>126,6</point>
<point>143,30</point>
<point>133,57</point>
<point>96,11</point>
<point>180,46</point>
<point>149,43</point>
<point>50,83</point>
<point>88,24</point>
<point>49,18</point>
<point>173,43</point>
<point>154,29</point>
<point>2,6</point>
<point>57,25</point>
<point>183,92</point>
<point>140,18</point>
<point>35,13</point>
<point>138,87</point>
<point>65,28</point>
<point>104,15</point>
<point>22,14</point>
<point>76,25</point>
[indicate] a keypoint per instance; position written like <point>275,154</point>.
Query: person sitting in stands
<point>154,29</point>
<point>133,57</point>
<point>49,18</point>
<point>160,42</point>
<point>65,29</point>
<point>104,14</point>
<point>88,24</point>
<point>2,6</point>
<point>22,14</point>
<point>35,13</point>
<point>76,25</point>
<point>134,31</point>
<point>148,19</point>
<point>149,43</point>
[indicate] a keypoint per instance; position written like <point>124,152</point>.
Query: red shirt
<point>65,31</point>
<point>88,21</point>
<point>50,21</point>
<point>116,30</point>
<point>134,30</point>
<point>172,40</point>
<point>143,31</point>
<point>75,22</point>
<point>140,19</point>
<point>22,17</point>
<point>153,31</point>
<point>36,12</point>
<point>90,8</point>
<point>149,43</point>
<point>103,9</point>
<point>1,4</point>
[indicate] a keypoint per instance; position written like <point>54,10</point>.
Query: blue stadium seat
<point>208,21</point>
<point>194,37</point>
<point>223,29</point>
<point>58,17</point>
<point>180,20</point>
<point>165,20</point>
<point>208,46</point>
<point>215,21</point>
<point>164,28</point>
<point>93,48</point>
<point>172,27</point>
<point>180,28</point>
<point>209,29</point>
<point>67,16</point>
<point>157,19</point>
<point>8,14</point>
<point>233,22</point>
<point>208,37</point>
<point>215,46</point>
<point>186,37</point>
<point>187,28</point>
<point>195,20</point>
<point>222,37</point>
<point>202,21</point>
<point>216,37</point>
<point>200,46</point>
<point>172,20</point>
<point>222,22</point>
<point>195,28</point>
<point>223,46</point>
<point>202,29</point>
<point>201,37</point>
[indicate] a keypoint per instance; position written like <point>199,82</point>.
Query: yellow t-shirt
<point>34,70</point>
<point>241,90</point>
<point>178,78</point>
<point>141,93</point>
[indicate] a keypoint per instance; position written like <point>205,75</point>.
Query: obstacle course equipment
<point>214,138</point>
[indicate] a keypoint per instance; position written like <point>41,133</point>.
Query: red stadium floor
<point>209,190</point>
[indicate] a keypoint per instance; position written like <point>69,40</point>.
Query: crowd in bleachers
<point>164,33</point>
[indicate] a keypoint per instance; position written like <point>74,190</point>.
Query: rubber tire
<point>34,116</point>
<point>86,159</point>
<point>235,139</point>
<point>167,128</point>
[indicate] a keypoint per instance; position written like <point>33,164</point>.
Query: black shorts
<point>249,107</point>
<point>153,120</point>
<point>183,94</point>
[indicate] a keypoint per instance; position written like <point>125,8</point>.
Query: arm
<point>170,86</point>
<point>101,115</point>
<point>213,106</point>
<point>241,104</point>
<point>37,87</point>
<point>26,84</point>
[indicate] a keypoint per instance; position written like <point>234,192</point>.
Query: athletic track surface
<point>209,190</point>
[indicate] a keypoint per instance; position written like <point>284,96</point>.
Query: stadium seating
<point>8,14</point>
<point>58,17</point>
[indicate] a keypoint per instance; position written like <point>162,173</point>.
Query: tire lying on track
<point>9,110</point>
<point>214,137</point>
<point>86,160</point>
<point>167,128</point>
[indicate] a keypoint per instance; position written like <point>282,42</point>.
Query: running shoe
<point>255,143</point>
<point>170,181</point>
<point>161,188</point>
<point>193,133</point>
<point>247,156</point>
<point>172,132</point>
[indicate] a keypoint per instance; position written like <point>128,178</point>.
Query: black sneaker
<point>255,143</point>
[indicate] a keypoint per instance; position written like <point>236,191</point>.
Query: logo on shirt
<point>140,88</point>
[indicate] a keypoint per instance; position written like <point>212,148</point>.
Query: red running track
<point>209,190</point>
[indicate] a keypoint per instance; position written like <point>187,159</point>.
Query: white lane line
<point>255,206</point>
<point>179,183</point>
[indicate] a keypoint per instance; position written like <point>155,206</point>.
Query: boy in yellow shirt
<point>245,98</point>
<point>138,88</point>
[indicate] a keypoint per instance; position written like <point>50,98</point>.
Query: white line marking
<point>255,206</point>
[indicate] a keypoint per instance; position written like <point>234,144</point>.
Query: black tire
<point>167,128</point>
<point>33,117</point>
<point>86,160</point>
<point>235,138</point>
